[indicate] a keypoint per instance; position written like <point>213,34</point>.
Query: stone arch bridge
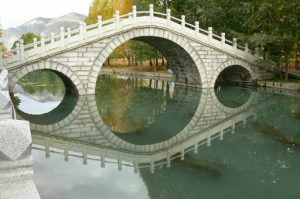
<point>196,56</point>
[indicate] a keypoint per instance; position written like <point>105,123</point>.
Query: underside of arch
<point>179,60</point>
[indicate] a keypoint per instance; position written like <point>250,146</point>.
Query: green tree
<point>27,38</point>
<point>2,46</point>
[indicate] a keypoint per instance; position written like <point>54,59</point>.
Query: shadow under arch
<point>185,61</point>
<point>233,71</point>
<point>232,99</point>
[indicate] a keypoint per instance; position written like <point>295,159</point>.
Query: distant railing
<point>58,42</point>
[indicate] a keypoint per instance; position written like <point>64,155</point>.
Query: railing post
<point>257,52</point>
<point>81,31</point>
<point>84,31</point>
<point>210,33</point>
<point>62,36</point>
<point>52,37</point>
<point>18,50</point>
<point>151,10</point>
<point>168,16</point>
<point>134,14</point>
<point>223,39</point>
<point>117,19</point>
<point>99,24</point>
<point>42,42</point>
<point>197,28</point>
<point>69,33</point>
<point>246,47</point>
<point>34,43</point>
<point>21,49</point>
<point>234,43</point>
<point>182,22</point>
<point>1,58</point>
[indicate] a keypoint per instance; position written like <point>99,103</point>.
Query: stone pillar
<point>257,52</point>
<point>151,14</point>
<point>182,22</point>
<point>133,14</point>
<point>16,172</point>
<point>117,19</point>
<point>196,147</point>
<point>3,85</point>
<point>208,143</point>
<point>99,24</point>
<point>69,33</point>
<point>62,36</point>
<point>234,43</point>
<point>42,42</point>
<point>168,16</point>
<point>221,134</point>
<point>197,28</point>
<point>1,58</point>
<point>18,50</point>
<point>168,161</point>
<point>34,43</point>
<point>223,39</point>
<point>210,33</point>
<point>22,49</point>
<point>52,37</point>
<point>246,47</point>
<point>81,31</point>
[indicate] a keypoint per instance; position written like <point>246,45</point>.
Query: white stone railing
<point>52,43</point>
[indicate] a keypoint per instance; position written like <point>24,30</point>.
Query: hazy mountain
<point>40,24</point>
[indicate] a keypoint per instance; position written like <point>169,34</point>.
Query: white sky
<point>16,12</point>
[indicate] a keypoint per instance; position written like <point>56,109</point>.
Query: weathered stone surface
<point>15,138</point>
<point>4,99</point>
<point>19,190</point>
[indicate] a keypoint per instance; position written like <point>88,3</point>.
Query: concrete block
<point>15,138</point>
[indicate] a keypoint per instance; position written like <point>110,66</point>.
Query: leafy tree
<point>2,46</point>
<point>107,8</point>
<point>27,38</point>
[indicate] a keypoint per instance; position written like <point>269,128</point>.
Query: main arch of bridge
<point>194,63</point>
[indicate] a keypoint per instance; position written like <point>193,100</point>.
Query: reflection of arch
<point>226,109</point>
<point>147,158</point>
<point>148,35</point>
<point>69,78</point>
<point>60,112</point>
<point>61,124</point>
<point>110,136</point>
<point>232,63</point>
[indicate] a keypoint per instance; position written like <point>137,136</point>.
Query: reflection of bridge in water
<point>83,133</point>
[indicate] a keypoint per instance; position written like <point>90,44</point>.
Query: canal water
<point>147,138</point>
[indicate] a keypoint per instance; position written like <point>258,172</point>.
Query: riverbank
<point>292,85</point>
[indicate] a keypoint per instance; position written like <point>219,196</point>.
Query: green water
<point>257,159</point>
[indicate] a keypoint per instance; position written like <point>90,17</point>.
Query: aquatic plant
<point>203,167</point>
<point>279,135</point>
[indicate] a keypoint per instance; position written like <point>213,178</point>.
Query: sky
<point>16,12</point>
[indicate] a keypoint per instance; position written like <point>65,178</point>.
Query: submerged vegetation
<point>277,134</point>
<point>201,166</point>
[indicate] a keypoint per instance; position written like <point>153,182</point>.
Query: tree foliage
<point>2,46</point>
<point>27,38</point>
<point>107,8</point>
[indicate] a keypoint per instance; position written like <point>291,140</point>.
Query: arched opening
<point>148,98</point>
<point>231,86</point>
<point>234,75</point>
<point>145,111</point>
<point>44,96</point>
